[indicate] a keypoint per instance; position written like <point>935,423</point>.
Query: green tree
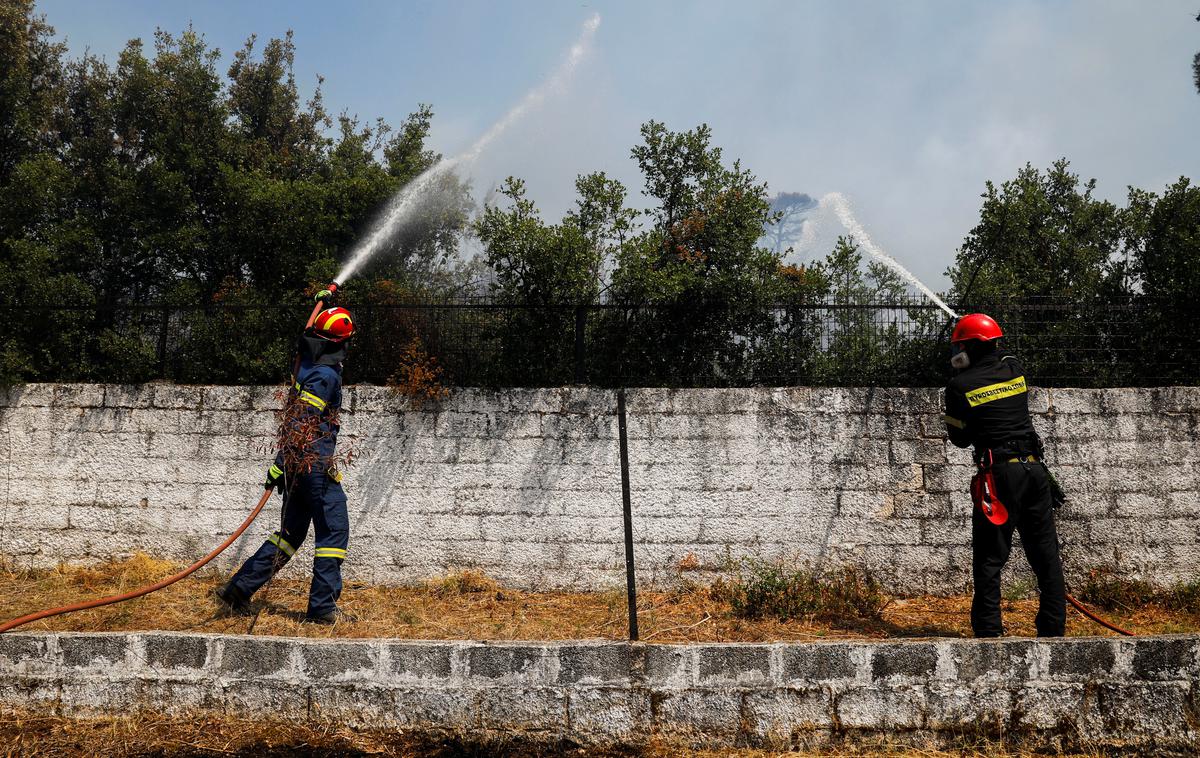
<point>161,178</point>
<point>272,131</point>
<point>550,271</point>
<point>535,263</point>
<point>695,283</point>
<point>32,183</point>
<point>1164,266</point>
<point>790,351</point>
<point>1039,235</point>
<point>31,73</point>
<point>866,342</point>
<point>1043,260</point>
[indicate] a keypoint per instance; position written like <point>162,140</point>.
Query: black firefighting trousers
<point>1025,489</point>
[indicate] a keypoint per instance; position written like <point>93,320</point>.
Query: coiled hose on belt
<point>148,589</point>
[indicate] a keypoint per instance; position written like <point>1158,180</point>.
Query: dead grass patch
<point>471,605</point>
<point>463,583</point>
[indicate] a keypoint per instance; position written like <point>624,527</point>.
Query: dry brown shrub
<point>463,583</point>
<point>298,430</point>
<point>418,377</point>
<point>136,570</point>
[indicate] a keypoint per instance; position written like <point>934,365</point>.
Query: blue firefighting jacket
<point>318,393</point>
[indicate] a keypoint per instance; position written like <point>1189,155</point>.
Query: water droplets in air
<point>835,203</point>
<point>409,200</point>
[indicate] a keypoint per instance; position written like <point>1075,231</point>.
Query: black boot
<point>232,599</point>
<point>332,617</point>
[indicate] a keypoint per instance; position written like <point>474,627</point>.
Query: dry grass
<point>470,605</point>
<point>36,736</point>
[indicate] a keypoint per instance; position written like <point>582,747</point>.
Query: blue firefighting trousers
<point>311,498</point>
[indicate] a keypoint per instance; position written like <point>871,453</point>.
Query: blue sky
<point>906,108</point>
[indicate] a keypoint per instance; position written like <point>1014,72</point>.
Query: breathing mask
<point>959,359</point>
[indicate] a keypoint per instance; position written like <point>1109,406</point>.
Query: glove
<point>1058,498</point>
<point>323,295</point>
<point>274,477</point>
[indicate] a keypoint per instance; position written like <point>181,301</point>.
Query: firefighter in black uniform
<point>987,406</point>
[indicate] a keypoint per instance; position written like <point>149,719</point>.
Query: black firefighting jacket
<point>987,406</point>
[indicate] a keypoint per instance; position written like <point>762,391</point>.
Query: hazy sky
<point>906,108</point>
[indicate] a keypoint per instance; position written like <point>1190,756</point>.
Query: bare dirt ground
<point>471,606</point>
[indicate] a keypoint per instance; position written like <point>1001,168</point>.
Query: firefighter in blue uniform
<point>305,473</point>
<point>987,406</point>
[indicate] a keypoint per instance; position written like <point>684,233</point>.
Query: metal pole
<point>630,576</point>
<point>580,326</point>
<point>164,326</point>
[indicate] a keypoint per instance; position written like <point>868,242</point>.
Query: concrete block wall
<point>1059,694</point>
<point>525,484</point>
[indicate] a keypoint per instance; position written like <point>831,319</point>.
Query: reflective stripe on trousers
<point>317,500</point>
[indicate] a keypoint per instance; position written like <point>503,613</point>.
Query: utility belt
<point>988,457</point>
<point>331,472</point>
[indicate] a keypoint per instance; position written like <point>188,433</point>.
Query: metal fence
<point>478,342</point>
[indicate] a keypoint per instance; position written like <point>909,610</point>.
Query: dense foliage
<point>1105,291</point>
<point>216,199</point>
<point>157,179</point>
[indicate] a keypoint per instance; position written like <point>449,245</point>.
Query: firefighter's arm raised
<point>957,411</point>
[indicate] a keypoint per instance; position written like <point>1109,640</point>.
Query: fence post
<point>630,576</point>
<point>164,325</point>
<point>580,346</point>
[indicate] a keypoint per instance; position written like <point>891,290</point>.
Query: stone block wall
<point>1059,694</point>
<point>525,484</point>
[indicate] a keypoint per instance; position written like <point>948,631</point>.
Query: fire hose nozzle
<point>322,296</point>
<point>326,293</point>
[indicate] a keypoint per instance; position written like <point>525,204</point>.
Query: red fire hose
<point>262,501</point>
<point>1079,607</point>
<point>182,574</point>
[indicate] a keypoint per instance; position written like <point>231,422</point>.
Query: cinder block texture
<point>1136,694</point>
<point>525,484</point>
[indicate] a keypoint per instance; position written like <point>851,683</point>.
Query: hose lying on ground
<point>246,524</point>
<point>332,287</point>
<point>1079,607</point>
<point>144,590</point>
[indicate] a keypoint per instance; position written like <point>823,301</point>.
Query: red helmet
<point>334,324</point>
<point>976,326</point>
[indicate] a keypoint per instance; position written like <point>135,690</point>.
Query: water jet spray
<point>837,202</point>
<point>402,205</point>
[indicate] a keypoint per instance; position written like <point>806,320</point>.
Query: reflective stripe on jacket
<point>318,390</point>
<point>987,405</point>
